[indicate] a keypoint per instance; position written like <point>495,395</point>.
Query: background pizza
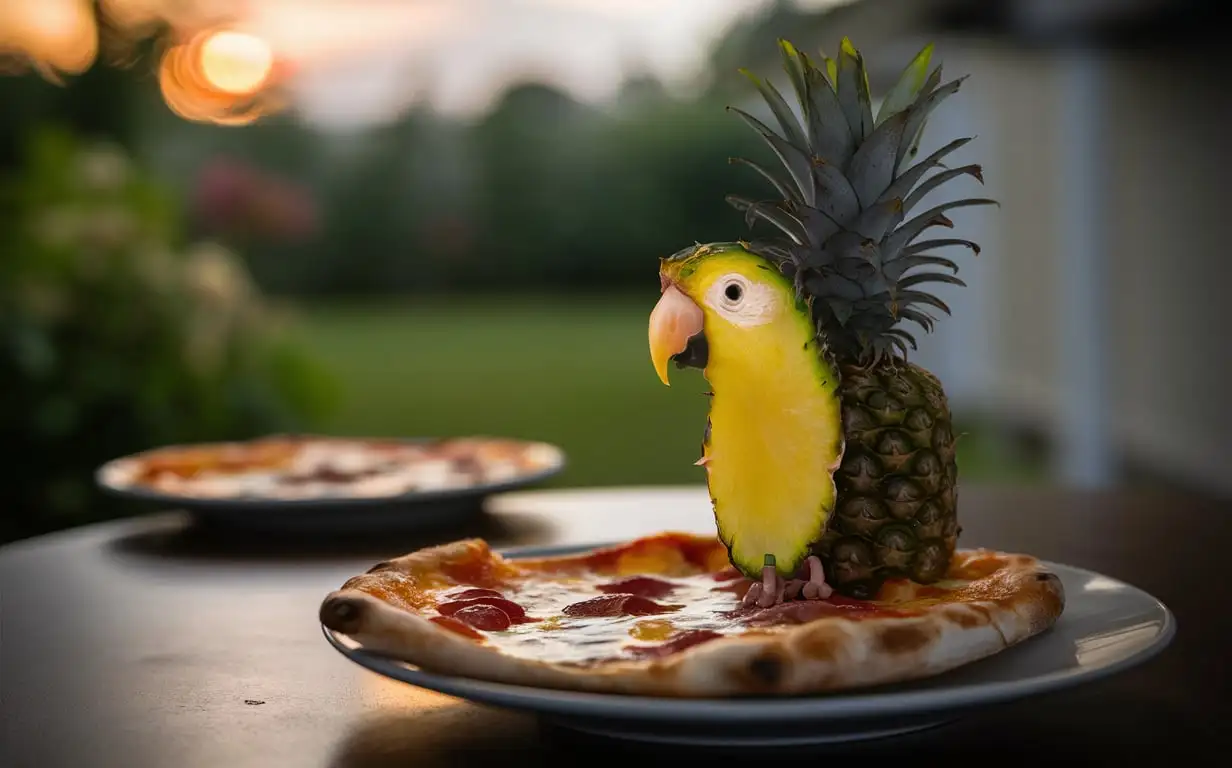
<point>288,468</point>
<point>662,616</point>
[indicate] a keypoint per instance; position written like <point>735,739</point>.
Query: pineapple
<point>848,244</point>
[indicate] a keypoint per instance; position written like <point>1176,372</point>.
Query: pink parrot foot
<point>767,592</point>
<point>774,589</point>
<point>814,587</point>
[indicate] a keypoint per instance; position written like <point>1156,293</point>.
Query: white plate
<point>1108,626</point>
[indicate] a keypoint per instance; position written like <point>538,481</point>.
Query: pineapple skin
<point>897,506</point>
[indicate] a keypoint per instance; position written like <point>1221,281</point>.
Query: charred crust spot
<point>970,616</point>
<point>964,619</point>
<point>342,614</point>
<point>767,669</point>
<point>820,644</point>
<point>896,639</point>
<point>1045,576</point>
<point>384,565</point>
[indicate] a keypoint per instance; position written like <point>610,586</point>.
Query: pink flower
<point>233,198</point>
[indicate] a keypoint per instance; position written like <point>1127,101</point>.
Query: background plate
<point>418,510</point>
<point>1108,626</point>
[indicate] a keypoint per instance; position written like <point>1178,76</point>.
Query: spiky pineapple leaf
<point>786,191</point>
<point>872,166</point>
<point>794,66</point>
<point>835,195</point>
<point>878,219</point>
<point>778,106</point>
<point>829,131</point>
<point>924,278</point>
<point>904,92</point>
<point>834,286</point>
<point>793,158</point>
<point>974,171</point>
<point>924,105</point>
<point>914,148</point>
<point>905,336</point>
<point>819,225</point>
<point>841,309</point>
<point>865,93</point>
<point>771,214</point>
<point>907,181</point>
<point>829,68</point>
<point>898,267</point>
<point>922,319</point>
<point>944,242</point>
<point>908,297</point>
<point>776,254</point>
<point>933,216</point>
<point>849,245</point>
<point>852,86</point>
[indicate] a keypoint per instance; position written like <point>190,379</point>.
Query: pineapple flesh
<point>847,232</point>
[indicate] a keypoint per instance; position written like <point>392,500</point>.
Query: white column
<point>1084,456</point>
<point>960,351</point>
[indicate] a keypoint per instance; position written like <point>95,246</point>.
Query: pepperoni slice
<point>641,586</point>
<point>736,587</point>
<point>616,605</point>
<point>471,594</point>
<point>680,642</point>
<point>486,617</point>
<point>453,625</point>
<point>511,609</point>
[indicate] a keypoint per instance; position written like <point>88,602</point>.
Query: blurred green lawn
<point>572,371</point>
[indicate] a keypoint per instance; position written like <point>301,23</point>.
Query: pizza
<point>306,467</point>
<point>663,616</point>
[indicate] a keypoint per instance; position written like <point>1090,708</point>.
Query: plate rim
<point>196,503</point>
<point>853,705</point>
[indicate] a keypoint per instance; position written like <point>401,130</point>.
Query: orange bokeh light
<point>235,62</point>
<point>220,76</point>
<point>52,35</point>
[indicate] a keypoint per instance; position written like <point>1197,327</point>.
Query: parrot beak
<point>674,321</point>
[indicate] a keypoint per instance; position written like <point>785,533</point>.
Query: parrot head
<point>721,301</point>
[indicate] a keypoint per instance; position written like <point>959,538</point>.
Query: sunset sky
<point>460,53</point>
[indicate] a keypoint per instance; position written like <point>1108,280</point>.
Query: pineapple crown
<point>845,193</point>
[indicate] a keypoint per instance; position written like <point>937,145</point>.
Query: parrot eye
<point>742,301</point>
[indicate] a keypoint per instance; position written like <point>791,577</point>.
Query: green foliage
<point>541,193</point>
<point>116,337</point>
<point>569,196</point>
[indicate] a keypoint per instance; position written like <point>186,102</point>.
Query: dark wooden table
<point>152,642</point>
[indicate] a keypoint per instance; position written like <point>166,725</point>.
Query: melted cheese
<point>590,639</point>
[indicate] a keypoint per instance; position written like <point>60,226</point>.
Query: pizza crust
<point>1019,600</point>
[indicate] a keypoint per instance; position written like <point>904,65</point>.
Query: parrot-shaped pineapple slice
<point>775,431</point>
<point>830,458</point>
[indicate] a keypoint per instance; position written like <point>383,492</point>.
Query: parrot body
<point>775,430</point>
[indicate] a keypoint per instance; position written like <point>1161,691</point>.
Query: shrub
<point>115,336</point>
